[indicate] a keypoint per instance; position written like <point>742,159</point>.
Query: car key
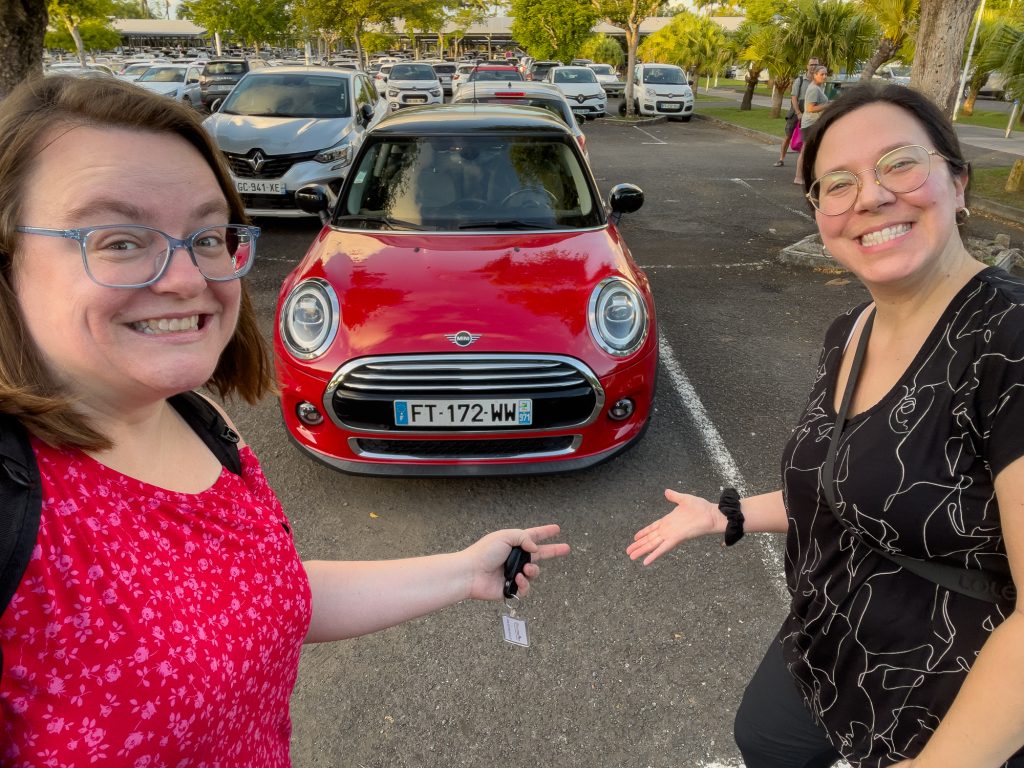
<point>514,564</point>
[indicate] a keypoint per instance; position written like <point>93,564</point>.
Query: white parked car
<point>282,128</point>
<point>662,89</point>
<point>580,86</point>
<point>179,81</point>
<point>608,78</point>
<point>413,84</point>
<point>133,70</point>
<point>462,72</point>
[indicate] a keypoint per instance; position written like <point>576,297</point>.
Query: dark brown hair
<point>28,116</point>
<point>934,121</point>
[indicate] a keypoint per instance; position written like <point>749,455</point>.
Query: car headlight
<point>393,93</point>
<point>339,152</point>
<point>309,319</point>
<point>617,317</point>
<point>435,91</point>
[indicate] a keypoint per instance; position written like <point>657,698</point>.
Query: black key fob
<point>514,564</point>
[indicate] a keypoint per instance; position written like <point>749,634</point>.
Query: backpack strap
<point>207,422</point>
<point>21,500</point>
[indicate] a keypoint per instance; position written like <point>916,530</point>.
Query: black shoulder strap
<point>979,584</point>
<point>21,500</point>
<point>207,422</point>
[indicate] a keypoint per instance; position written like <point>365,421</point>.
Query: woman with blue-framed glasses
<point>902,493</point>
<point>158,604</point>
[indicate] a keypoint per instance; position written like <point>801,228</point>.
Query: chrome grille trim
<point>356,448</point>
<point>483,372</point>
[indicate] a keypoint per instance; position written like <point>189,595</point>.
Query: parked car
<point>179,81</point>
<point>76,69</point>
<point>470,308</point>
<point>282,128</point>
<point>490,73</point>
<point>380,80</point>
<point>445,74</point>
<point>132,71</point>
<point>662,89</point>
<point>894,73</point>
<point>539,69</point>
<point>413,84</point>
<point>537,95</point>
<point>580,86</point>
<point>462,72</point>
<point>609,79</point>
<point>220,76</point>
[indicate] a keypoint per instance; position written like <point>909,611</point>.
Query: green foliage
<point>840,34</point>
<point>552,29</point>
<point>692,42</point>
<point>1004,53</point>
<point>604,50</point>
<point>97,35</point>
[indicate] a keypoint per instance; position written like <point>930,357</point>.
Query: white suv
<point>662,89</point>
<point>412,84</point>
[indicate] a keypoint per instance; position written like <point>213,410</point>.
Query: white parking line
<point>762,263</point>
<point>645,133</point>
<point>720,457</point>
<point>804,214</point>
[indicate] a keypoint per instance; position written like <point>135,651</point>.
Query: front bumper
<point>261,200</point>
<point>666,106</point>
<point>413,99</point>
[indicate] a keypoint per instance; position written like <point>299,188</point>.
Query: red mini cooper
<point>470,307</point>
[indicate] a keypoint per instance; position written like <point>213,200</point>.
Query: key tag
<point>514,629</point>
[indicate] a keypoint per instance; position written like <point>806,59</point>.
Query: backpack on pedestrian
<point>799,86</point>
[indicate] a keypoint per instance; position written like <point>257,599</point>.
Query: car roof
<point>496,68</point>
<point>573,66</point>
<point>528,87</point>
<point>299,69</point>
<point>448,119</point>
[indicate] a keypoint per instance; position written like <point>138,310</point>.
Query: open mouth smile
<point>884,235</point>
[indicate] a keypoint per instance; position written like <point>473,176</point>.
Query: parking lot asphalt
<point>628,666</point>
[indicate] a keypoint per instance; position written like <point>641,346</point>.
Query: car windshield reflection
<point>664,77</point>
<point>289,95</point>
<point>163,75</point>
<point>469,183</point>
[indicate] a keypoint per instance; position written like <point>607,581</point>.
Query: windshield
<point>413,72</point>
<point>446,69</point>
<point>603,69</point>
<point>136,69</point>
<point>494,75</point>
<point>496,183</point>
<point>556,107</point>
<point>163,75</point>
<point>664,76</point>
<point>284,95</point>
<point>225,68</point>
<point>575,76</point>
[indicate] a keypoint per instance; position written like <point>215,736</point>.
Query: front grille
<point>564,392</point>
<point>465,449</point>
<point>274,166</point>
<point>270,202</point>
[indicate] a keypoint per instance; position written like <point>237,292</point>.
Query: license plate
<point>416,99</point>
<point>669,107</point>
<point>463,413</point>
<point>579,111</point>
<point>261,187</point>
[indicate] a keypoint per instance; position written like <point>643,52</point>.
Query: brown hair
<point>29,389</point>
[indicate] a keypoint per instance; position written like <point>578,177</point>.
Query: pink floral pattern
<point>152,629</point>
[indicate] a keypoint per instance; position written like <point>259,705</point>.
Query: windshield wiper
<point>506,224</point>
<point>386,221</point>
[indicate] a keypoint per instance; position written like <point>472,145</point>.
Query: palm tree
<point>838,33</point>
<point>1004,53</point>
<point>987,48</point>
<point>897,23</point>
<point>771,46</point>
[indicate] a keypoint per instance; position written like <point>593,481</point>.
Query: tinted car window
<point>664,75</point>
<point>226,68</point>
<point>413,72</point>
<point>163,75</point>
<point>575,76</point>
<point>486,75</point>
<point>469,182</point>
<point>446,69</point>
<point>557,108</point>
<point>290,96</point>
<point>603,69</point>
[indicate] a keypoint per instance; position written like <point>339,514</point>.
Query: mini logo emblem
<point>462,338</point>
<point>257,161</point>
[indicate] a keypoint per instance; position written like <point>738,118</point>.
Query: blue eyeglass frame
<point>173,244</point>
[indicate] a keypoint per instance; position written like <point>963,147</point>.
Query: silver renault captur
<point>282,128</point>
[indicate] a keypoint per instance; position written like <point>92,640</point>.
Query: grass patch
<point>756,118</point>
<point>761,89</point>
<point>987,119</point>
<point>990,183</point>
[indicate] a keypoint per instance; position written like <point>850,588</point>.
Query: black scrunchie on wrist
<point>729,505</point>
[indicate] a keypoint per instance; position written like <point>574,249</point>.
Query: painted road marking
<point>743,183</point>
<point>645,133</point>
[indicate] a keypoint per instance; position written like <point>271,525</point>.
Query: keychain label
<point>514,631</point>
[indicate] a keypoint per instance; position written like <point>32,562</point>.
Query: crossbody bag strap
<point>979,584</point>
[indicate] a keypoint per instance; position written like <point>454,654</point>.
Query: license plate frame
<point>489,413</point>
<point>415,99</point>
<point>259,187</point>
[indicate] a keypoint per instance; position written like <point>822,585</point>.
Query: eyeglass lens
<point>132,255</point>
<point>901,170</point>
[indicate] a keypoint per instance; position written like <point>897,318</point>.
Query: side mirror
<point>625,198</point>
<point>215,107</point>
<point>689,82</point>
<point>315,199</point>
<point>366,113</point>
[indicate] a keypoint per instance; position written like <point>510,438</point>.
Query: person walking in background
<point>796,107</point>
<point>814,102</point>
<point>902,493</point>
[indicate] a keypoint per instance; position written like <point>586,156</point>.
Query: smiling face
<point>118,348</point>
<point>889,239</point>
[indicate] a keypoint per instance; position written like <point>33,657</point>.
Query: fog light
<point>308,414</point>
<point>623,409</point>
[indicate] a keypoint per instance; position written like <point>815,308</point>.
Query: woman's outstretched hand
<point>692,517</point>
<point>486,559</point>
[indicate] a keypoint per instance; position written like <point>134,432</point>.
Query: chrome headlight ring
<point>310,318</point>
<point>618,317</point>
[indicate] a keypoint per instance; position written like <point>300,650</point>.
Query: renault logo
<point>257,161</point>
<point>462,338</point>
<point>581,98</point>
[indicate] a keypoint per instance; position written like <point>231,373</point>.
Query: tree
<point>72,14</point>
<point>95,35</point>
<point>627,15</point>
<point>552,29</point>
<point>774,50</point>
<point>988,57</point>
<point>838,33</point>
<point>897,22</point>
<point>22,27</point>
<point>213,15</point>
<point>1004,52</point>
<point>940,45</point>
<point>604,50</point>
<point>692,42</point>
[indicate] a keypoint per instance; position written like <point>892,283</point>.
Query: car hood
<point>164,88</point>
<point>574,89</point>
<point>404,294</point>
<point>276,135</point>
<point>413,85</point>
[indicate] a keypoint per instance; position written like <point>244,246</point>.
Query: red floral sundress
<point>152,629</point>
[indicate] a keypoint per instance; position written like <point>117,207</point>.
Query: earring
<point>964,213</point>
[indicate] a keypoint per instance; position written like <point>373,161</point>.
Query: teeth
<point>167,325</point>
<point>884,235</point>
